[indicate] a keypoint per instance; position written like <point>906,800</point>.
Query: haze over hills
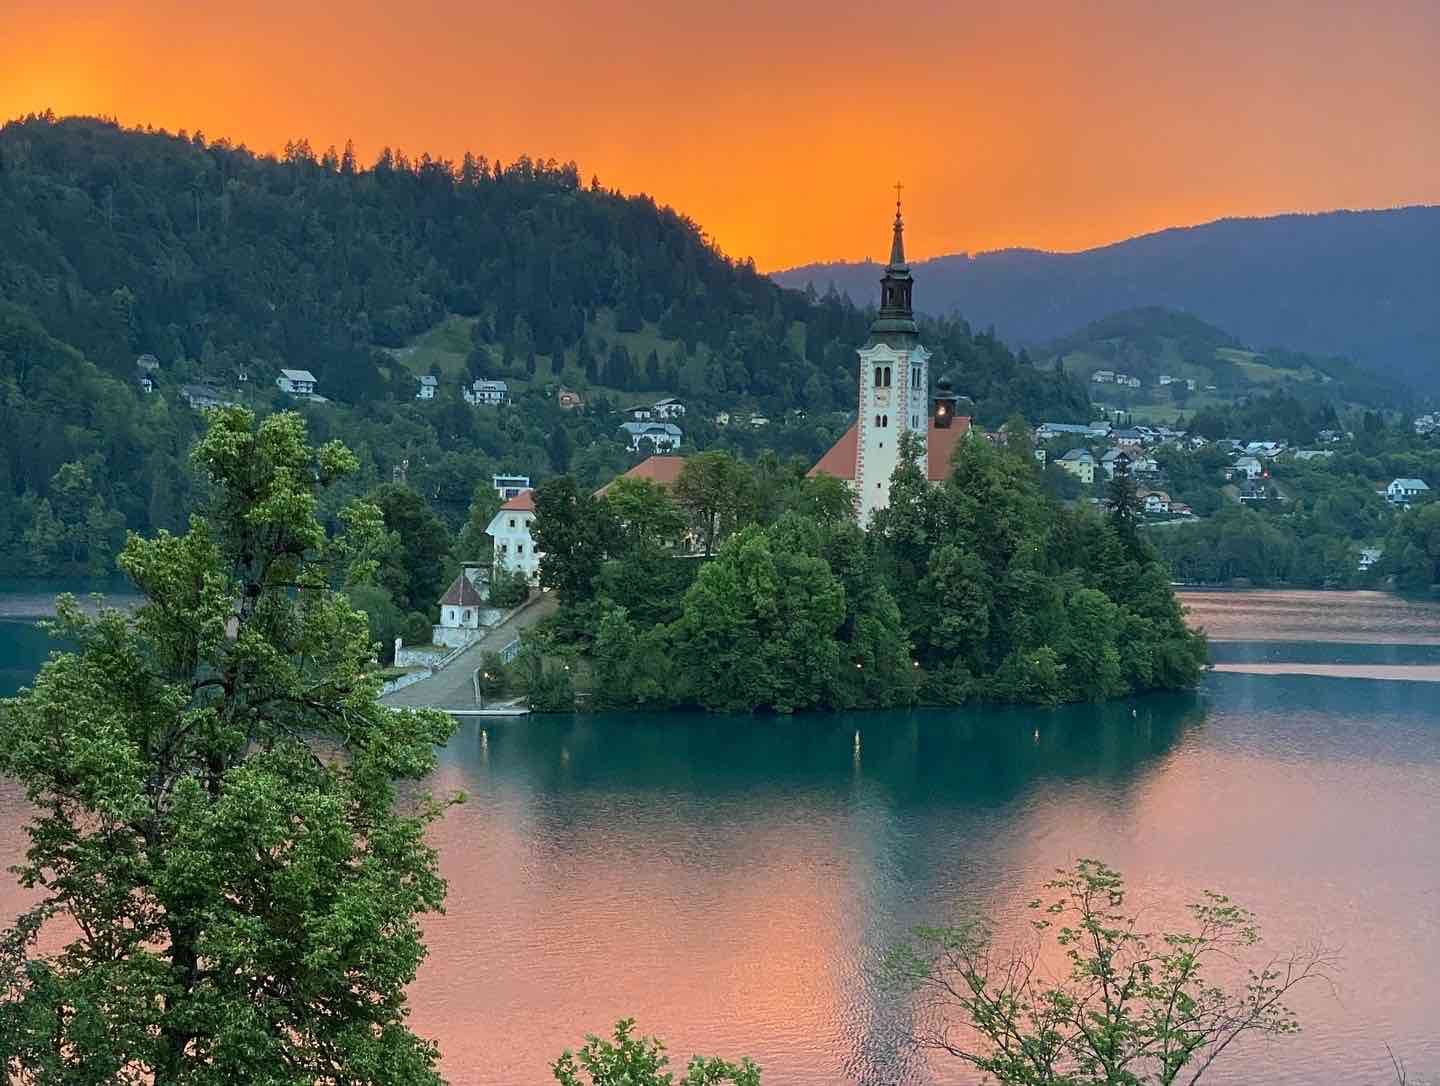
<point>1365,284</point>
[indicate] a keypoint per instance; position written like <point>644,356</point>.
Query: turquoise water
<point>730,881</point>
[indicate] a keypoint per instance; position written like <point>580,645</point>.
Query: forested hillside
<point>227,266</point>
<point>1152,342</point>
<point>1361,284</point>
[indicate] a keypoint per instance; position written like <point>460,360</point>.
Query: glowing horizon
<point>780,131</point>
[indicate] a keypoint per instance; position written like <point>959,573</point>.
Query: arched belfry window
<point>887,376</point>
<point>878,375</point>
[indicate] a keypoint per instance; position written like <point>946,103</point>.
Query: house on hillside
<point>1249,467</point>
<point>296,382</point>
<point>1154,502</point>
<point>428,386</point>
<point>1079,463</point>
<point>1404,491</point>
<point>657,436</point>
<point>486,392</point>
<point>508,486</point>
<point>465,609</point>
<point>1313,454</point>
<point>1331,437</point>
<point>1165,379</point>
<point>1369,556</point>
<point>1103,377</point>
<point>569,399</point>
<point>147,366</point>
<point>641,413</point>
<point>1130,439</point>
<point>510,529</point>
<point>669,408</point>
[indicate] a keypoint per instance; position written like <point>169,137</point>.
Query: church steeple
<point>897,244</point>
<point>895,323</point>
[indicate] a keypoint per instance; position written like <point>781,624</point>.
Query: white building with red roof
<point>894,398</point>
<point>510,529</point>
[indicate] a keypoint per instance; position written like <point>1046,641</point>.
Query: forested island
<point>981,588</point>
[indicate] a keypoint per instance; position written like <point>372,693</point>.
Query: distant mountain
<point>1365,284</point>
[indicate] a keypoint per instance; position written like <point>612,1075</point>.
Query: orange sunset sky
<point>779,127</point>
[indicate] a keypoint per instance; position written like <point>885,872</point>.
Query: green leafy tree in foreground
<point>1096,999</point>
<point>641,1061</point>
<point>218,838</point>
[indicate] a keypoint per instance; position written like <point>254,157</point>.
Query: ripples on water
<point>729,882</point>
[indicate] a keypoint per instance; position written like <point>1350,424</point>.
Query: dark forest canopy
<point>226,266</point>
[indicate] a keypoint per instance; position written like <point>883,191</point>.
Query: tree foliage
<point>1127,1007</point>
<point>627,1060</point>
<point>219,840</point>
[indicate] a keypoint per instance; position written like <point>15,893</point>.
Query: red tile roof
<point>840,460</point>
<point>663,470</point>
<point>523,502</point>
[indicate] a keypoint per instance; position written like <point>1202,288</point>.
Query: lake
<point>730,881</point>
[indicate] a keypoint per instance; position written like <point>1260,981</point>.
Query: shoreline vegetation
<point>981,589</point>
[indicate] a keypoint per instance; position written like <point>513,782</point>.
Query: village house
<point>1048,430</point>
<point>1427,424</point>
<point>1180,509</point>
<point>1136,461</point>
<point>510,529</point>
<point>759,420</point>
<point>507,486</point>
<point>1079,463</point>
<point>669,408</point>
<point>486,392</point>
<point>465,609</point>
<point>658,436</point>
<point>1249,467</point>
<point>1154,502</point>
<point>1331,437</point>
<point>1369,556</point>
<point>569,399</point>
<point>1313,454</point>
<point>1267,449</point>
<point>1165,379</point>
<point>146,367</point>
<point>428,385</point>
<point>296,382</point>
<point>1130,439</point>
<point>1404,491</point>
<point>1103,377</point>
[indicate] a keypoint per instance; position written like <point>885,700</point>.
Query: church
<point>894,379</point>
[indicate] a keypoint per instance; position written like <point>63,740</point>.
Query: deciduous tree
<point>218,839</point>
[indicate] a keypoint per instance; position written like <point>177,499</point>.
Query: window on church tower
<point>877,376</point>
<point>887,376</point>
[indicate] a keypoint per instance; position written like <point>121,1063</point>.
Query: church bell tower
<point>894,383</point>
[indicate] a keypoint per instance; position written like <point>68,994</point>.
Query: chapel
<point>894,397</point>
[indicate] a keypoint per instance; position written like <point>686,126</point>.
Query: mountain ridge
<point>1357,283</point>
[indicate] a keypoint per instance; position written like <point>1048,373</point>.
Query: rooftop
<point>462,593</point>
<point>840,460</point>
<point>524,502</point>
<point>663,470</point>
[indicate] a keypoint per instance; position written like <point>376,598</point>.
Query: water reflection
<point>728,880</point>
